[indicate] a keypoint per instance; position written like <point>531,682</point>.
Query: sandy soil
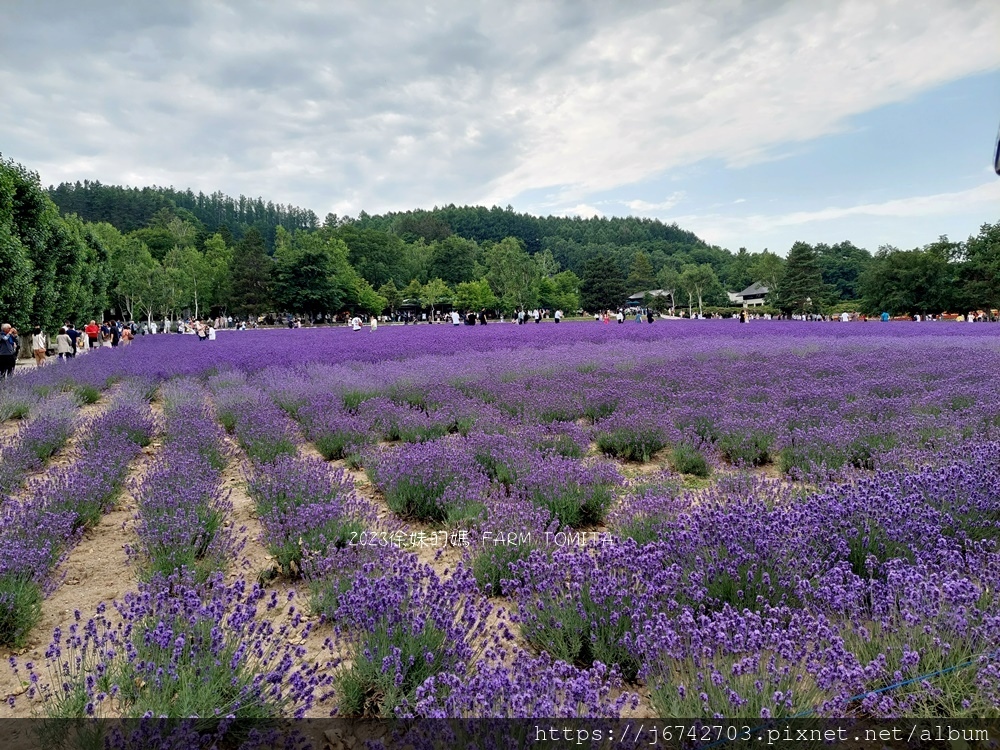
<point>97,570</point>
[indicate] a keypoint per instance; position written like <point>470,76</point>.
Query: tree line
<point>88,250</point>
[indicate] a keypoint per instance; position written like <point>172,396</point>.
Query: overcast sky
<point>750,123</point>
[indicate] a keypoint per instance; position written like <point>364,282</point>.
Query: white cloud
<point>756,228</point>
<point>641,206</point>
<point>394,105</point>
<point>677,85</point>
<point>582,210</point>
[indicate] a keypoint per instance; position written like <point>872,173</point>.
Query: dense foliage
<point>760,521</point>
<point>152,253</point>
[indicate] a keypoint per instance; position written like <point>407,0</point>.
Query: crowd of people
<point>68,342</point>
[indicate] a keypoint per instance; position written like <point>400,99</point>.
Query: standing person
<point>92,330</point>
<point>455,318</point>
<point>64,345</point>
<point>106,335</point>
<point>211,332</point>
<point>649,315</point>
<point>557,316</point>
<point>374,324</point>
<point>116,333</point>
<point>620,316</point>
<point>538,315</point>
<point>356,323</point>
<point>482,317</point>
<point>9,346</point>
<point>39,344</point>
<point>73,336</point>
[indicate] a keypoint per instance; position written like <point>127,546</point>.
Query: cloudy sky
<point>751,123</point>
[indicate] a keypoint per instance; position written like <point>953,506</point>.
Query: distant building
<point>635,300</point>
<point>752,296</point>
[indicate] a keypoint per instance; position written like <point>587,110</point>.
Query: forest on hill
<point>88,250</point>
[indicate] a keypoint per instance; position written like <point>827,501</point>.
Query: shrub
<point>748,449</point>
<point>429,481</point>
<point>20,609</point>
<point>575,494</point>
<point>628,444</point>
<point>686,459</point>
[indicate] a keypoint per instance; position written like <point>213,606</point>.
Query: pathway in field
<point>257,561</point>
<point>95,571</point>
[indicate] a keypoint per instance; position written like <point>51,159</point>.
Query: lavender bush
<point>306,509</point>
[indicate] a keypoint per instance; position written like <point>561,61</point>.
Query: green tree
<point>980,273</point>
<point>512,274</point>
<point>160,240</point>
<point>699,281</point>
<point>251,273</point>
<point>475,295</point>
<point>903,282</point>
<point>376,255</point>
<point>15,291</point>
<point>362,296</point>
<point>602,286</point>
<point>305,275</point>
<point>739,271</point>
<point>133,272</point>
<point>412,291</point>
<point>548,266</point>
<point>218,259</point>
<point>669,280</point>
<point>454,259</point>
<point>193,279</point>
<point>641,277</point>
<point>414,262</point>
<point>841,266</point>
<point>768,269</point>
<point>391,295</point>
<point>433,293</point>
<point>801,287</point>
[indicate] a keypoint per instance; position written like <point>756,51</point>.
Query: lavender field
<point>685,519</point>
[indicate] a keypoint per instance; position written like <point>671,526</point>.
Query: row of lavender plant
<point>180,664</point>
<point>183,517</point>
<point>36,441</point>
<point>810,412</point>
<point>39,529</point>
<point>186,646</point>
<point>417,652</point>
<point>757,600</point>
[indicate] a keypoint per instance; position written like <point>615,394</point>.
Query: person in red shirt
<point>92,330</point>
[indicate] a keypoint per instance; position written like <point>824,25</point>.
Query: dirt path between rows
<point>95,571</point>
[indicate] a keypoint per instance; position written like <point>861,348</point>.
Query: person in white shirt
<point>64,344</point>
<point>211,333</point>
<point>455,318</point>
<point>39,344</point>
<point>374,323</point>
<point>356,323</point>
<point>558,315</point>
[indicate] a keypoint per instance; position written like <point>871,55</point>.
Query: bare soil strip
<point>95,571</point>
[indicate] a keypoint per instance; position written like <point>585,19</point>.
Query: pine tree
<point>602,287</point>
<point>801,288</point>
<point>641,277</point>
<point>251,274</point>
